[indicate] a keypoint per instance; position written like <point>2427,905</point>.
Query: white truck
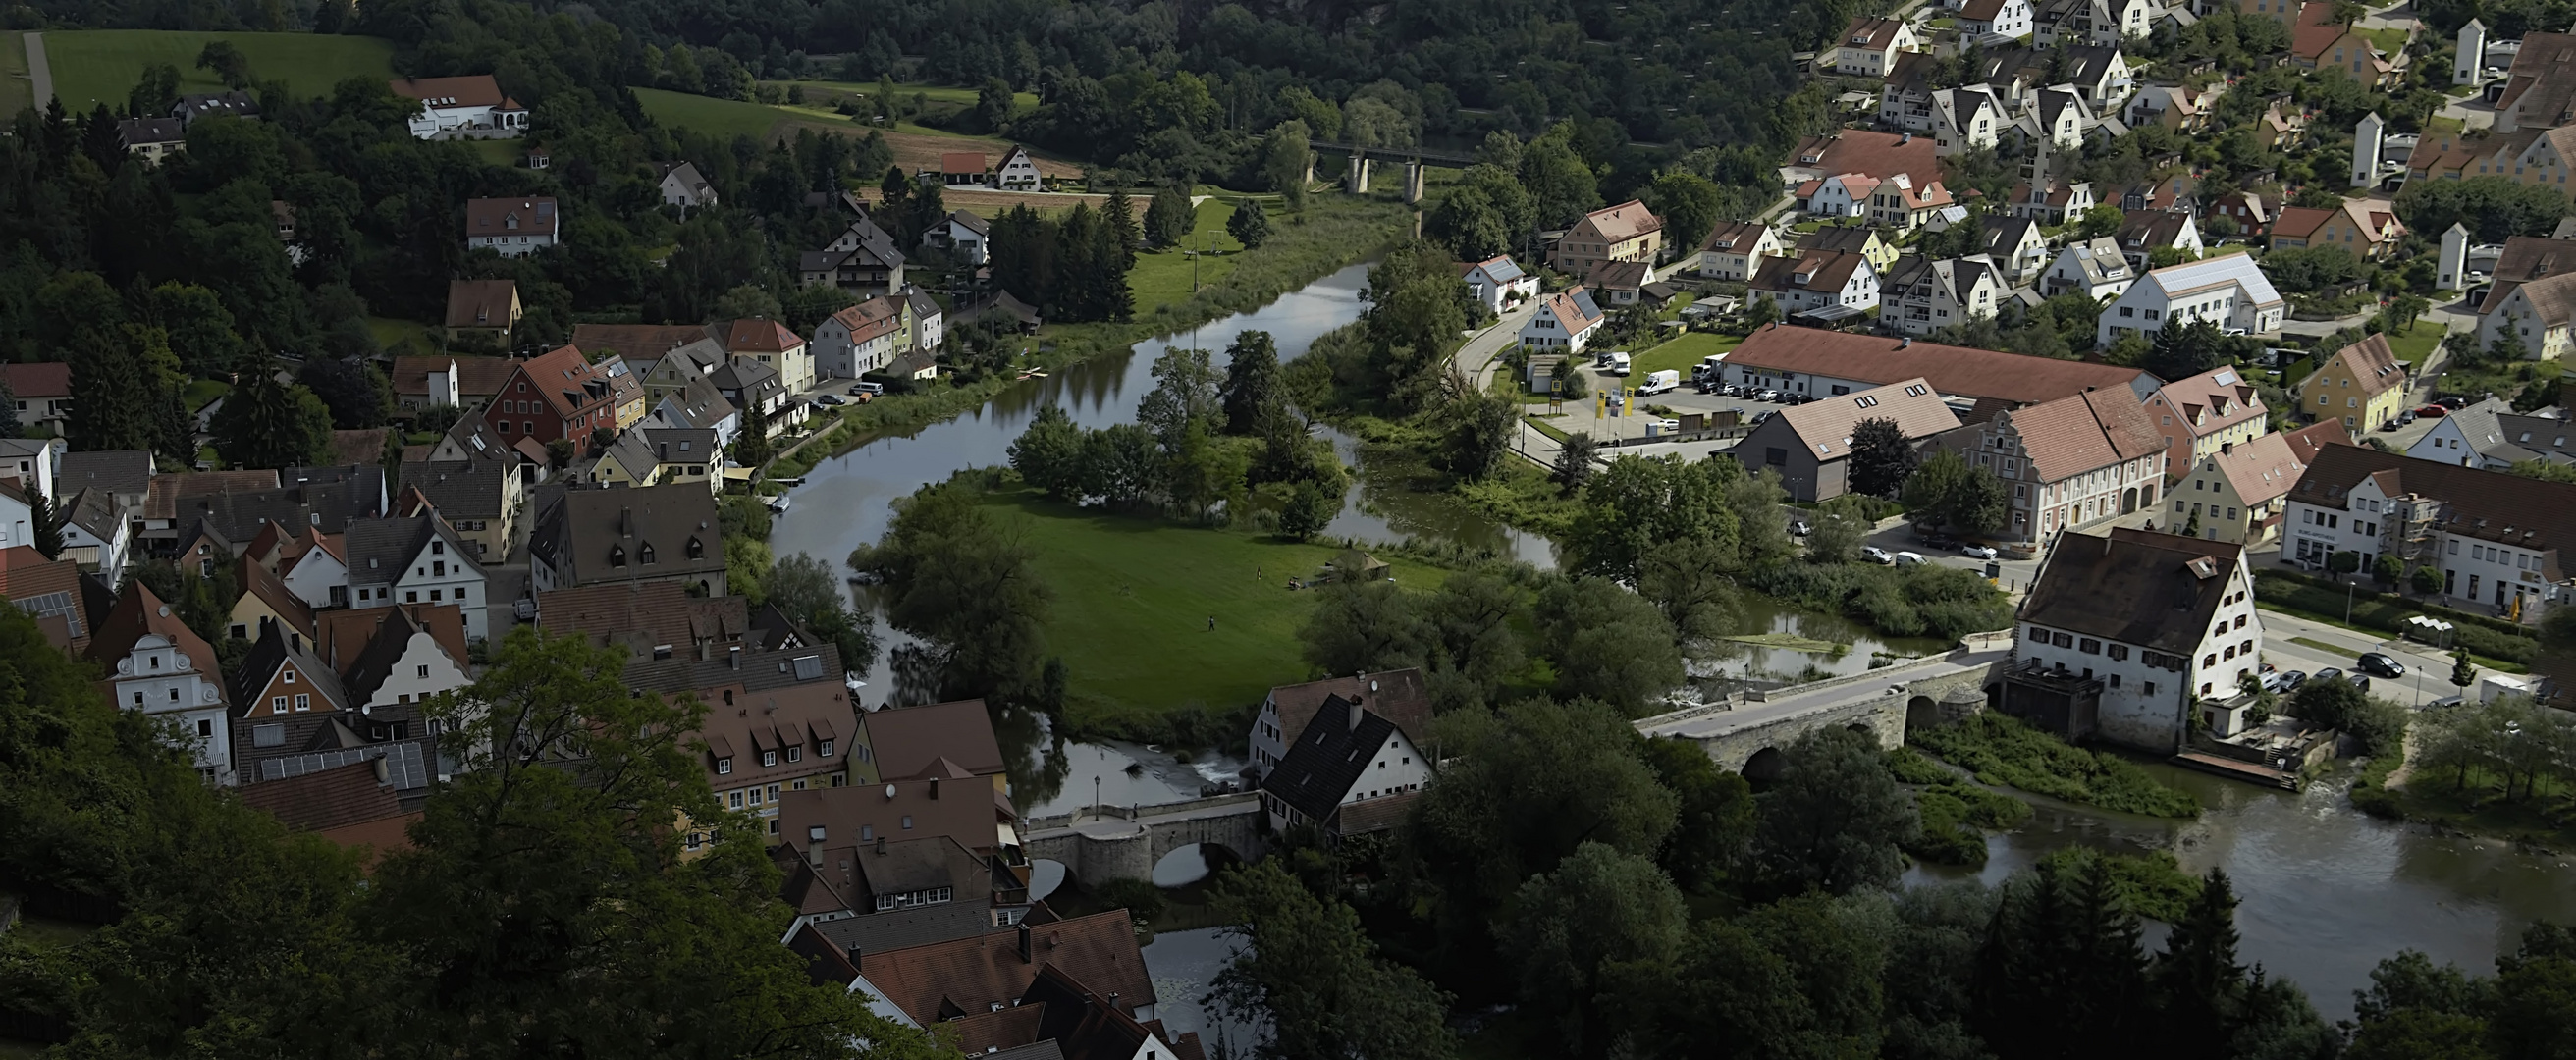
<point>1658,382</point>
<point>1614,362</point>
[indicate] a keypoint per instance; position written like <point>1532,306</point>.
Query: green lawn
<point>390,332</point>
<point>101,66</point>
<point>1681,354</point>
<point>2414,344</point>
<point>934,93</point>
<point>1133,597</point>
<point>1162,277</point>
<point>2391,40</point>
<point>15,90</point>
<point>712,116</point>
<point>203,392</point>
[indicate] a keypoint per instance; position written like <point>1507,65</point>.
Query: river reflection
<point>2326,890</point>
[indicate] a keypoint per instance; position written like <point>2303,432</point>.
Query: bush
<point>2150,884</point>
<point>2003,751</point>
<point>2490,637</point>
<point>1911,767</point>
<point>1926,601</point>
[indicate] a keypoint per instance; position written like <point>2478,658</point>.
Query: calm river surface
<point>2327,891</point>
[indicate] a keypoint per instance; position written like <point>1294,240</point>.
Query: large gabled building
<point>2497,540</point>
<point>2124,637</point>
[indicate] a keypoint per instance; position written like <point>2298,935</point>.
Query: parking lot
<point>1587,415</point>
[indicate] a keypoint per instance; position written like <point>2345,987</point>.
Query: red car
<point>2432,410</point>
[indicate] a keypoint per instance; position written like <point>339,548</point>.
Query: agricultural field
<point>16,91</point>
<point>915,148</point>
<point>100,66</point>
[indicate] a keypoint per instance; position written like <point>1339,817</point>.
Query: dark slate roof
<point>323,497</point>
<point>1327,758</point>
<point>756,671</point>
<point>578,528</point>
<point>461,489</point>
<point>2139,587</point>
<point>904,929</point>
<point>383,547</point>
<point>114,470</point>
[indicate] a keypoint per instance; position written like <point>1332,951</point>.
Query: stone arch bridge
<point>1102,844</point>
<point>1744,733</point>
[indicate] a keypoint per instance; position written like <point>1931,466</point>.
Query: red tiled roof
<point>481,303</point>
<point>1618,224</point>
<point>2262,469</point>
<point>138,613</point>
<point>909,740</point>
<point>1396,695</point>
<point>636,342</point>
<point>1958,371</point>
<point>760,336</point>
<point>475,90</point>
<point>943,980</point>
<point>41,379</point>
<point>2306,441</point>
<point>1877,154</point>
<point>326,799</point>
<point>475,376</point>
<point>2372,364</point>
<point>962,162</point>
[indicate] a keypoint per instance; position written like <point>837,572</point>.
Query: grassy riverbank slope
<point>1133,597</point>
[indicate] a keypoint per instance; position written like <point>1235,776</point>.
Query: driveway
<point>40,71</point>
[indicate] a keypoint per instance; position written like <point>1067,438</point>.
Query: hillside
<point>101,66</point>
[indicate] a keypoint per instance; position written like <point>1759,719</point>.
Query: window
<point>411,596</point>
<point>2209,660</point>
<point>795,753</point>
<point>724,766</point>
<point>205,727</point>
<point>826,749</point>
<point>2063,640</point>
<point>303,702</point>
<point>768,758</point>
<point>277,705</point>
<point>271,735</point>
<point>644,554</point>
<point>735,801</point>
<point>907,822</point>
<point>290,677</point>
<point>2120,652</point>
<point>424,671</point>
<point>2090,646</point>
<point>616,555</point>
<point>2240,621</point>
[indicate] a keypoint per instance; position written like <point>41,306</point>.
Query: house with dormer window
<point>2132,637</point>
<point>165,671</point>
<point>416,559</point>
<point>560,394</point>
<point>593,536</point>
<point>2202,414</point>
<point>511,228</point>
<point>1922,295</point>
<point>1564,322</point>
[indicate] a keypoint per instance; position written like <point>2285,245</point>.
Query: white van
<point>1615,363</point>
<point>1658,382</point>
<point>1910,559</point>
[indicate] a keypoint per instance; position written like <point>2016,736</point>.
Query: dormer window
<point>616,555</point>
<point>724,766</point>
<point>645,553</point>
<point>696,549</point>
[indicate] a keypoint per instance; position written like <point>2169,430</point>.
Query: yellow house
<point>266,601</point>
<point>1864,241</point>
<point>2363,384</point>
<point>2236,495</point>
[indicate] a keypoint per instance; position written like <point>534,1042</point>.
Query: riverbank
<point>1170,632</point>
<point>1335,232</point>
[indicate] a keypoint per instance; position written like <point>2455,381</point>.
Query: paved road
<point>39,70</point>
<point>1478,357</point>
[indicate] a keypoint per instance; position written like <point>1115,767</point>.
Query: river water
<point>2327,891</point>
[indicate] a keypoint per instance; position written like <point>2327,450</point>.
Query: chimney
<point>934,789</point>
<point>814,846</point>
<point>853,954</point>
<point>880,844</point>
<point>625,522</point>
<point>733,657</point>
<point>1024,942</point>
<point>1355,715</point>
<point>1905,342</point>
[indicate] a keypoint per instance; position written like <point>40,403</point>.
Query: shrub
<point>2003,751</point>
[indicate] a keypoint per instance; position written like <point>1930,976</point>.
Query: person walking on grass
<point>1211,623</point>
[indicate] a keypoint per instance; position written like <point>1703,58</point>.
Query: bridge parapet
<point>1124,843</point>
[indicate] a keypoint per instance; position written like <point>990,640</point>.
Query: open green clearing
<point>2391,40</point>
<point>1162,277</point>
<point>1682,354</point>
<point>2413,344</point>
<point>712,116</point>
<point>390,332</point>
<point>907,90</point>
<point>101,66</point>
<point>1132,601</point>
<point>203,392</point>
<point>16,91</point>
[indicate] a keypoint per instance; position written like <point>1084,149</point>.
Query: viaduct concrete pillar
<point>1413,180</point>
<point>1310,169</point>
<point>1359,176</point>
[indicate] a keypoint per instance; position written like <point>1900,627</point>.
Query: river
<point>2326,890</point>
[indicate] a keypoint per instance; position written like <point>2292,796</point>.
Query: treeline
<point>1200,439</point>
<point>1072,267</point>
<point>1628,898</point>
<point>542,904</point>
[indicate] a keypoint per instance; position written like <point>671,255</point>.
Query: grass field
<point>915,147</point>
<point>15,90</point>
<point>1682,353</point>
<point>1133,597</point>
<point>2414,344</point>
<point>1162,277</point>
<point>101,66</point>
<point>390,332</point>
<point>203,392</point>
<point>933,93</point>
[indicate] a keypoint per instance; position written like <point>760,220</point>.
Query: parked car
<point>1767,395</point>
<point>1765,414</point>
<point>2444,703</point>
<point>867,388</point>
<point>2291,681</point>
<point>1800,527</point>
<point>2328,674</point>
<point>1973,550</point>
<point>2430,411</point>
<point>1875,554</point>
<point>1910,559</point>
<point>1615,362</point>
<point>2454,402</point>
<point>830,399</point>
<point>2379,664</point>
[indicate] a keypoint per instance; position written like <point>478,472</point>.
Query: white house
<point>2477,436</point>
<point>1993,20</point>
<point>402,664</point>
<point>1922,294</point>
<point>2229,290</point>
<point>859,339</point>
<point>1564,322</point>
<point>1840,195</point>
<point>319,575</point>
<point>2497,540</point>
<point>1498,282</point>
<point>1966,119</point>
<point>1018,171</point>
<point>1734,249</point>
<point>2096,270</point>
<point>2539,313</point>
<point>2124,636</point>
<point>683,186</point>
<point>966,234</point>
<point>458,108</point>
<point>511,227</point>
<point>32,461</point>
<point>1868,46</point>
<point>415,559</point>
<point>17,517</point>
<point>1351,771</point>
<point>165,671</point>
<point>1817,280</point>
<point>2018,246</point>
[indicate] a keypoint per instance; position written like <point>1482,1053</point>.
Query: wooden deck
<point>2236,770</point>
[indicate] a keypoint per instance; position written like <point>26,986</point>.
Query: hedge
<point>2481,635</point>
